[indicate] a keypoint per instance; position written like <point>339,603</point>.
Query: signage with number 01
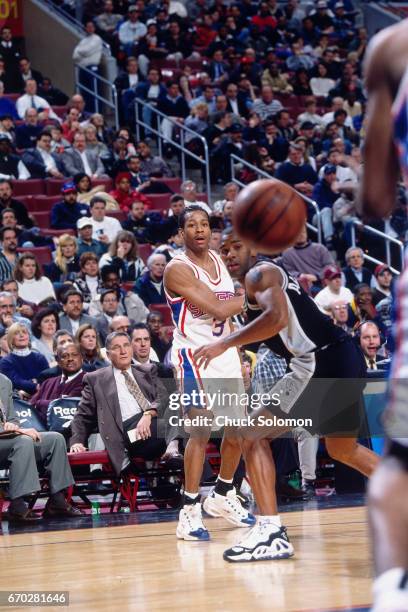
<point>11,15</point>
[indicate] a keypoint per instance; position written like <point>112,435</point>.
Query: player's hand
<point>208,352</point>
<point>143,427</point>
<point>11,427</point>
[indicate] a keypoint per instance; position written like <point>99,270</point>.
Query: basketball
<point>269,214</point>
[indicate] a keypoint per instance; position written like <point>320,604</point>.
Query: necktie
<point>33,103</point>
<point>135,390</point>
<point>372,364</point>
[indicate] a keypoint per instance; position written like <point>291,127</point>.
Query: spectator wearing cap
<point>322,18</point>
<point>30,99</point>
<point>124,194</point>
<point>7,106</point>
<point>87,244</point>
<point>307,260</point>
<point>325,196</point>
<point>266,105</point>
<point>65,214</point>
<point>296,173</point>
<point>80,159</point>
<point>334,290</point>
<point>11,166</point>
<point>384,278</point>
<point>131,30</point>
<point>355,272</point>
<point>40,162</point>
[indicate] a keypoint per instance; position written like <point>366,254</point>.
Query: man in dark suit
<point>110,304</point>
<point>28,132</point>
<point>21,453</point>
<point>68,384</point>
<point>119,401</point>
<point>40,162</point>
<point>355,273</point>
<point>235,103</point>
<point>73,317</point>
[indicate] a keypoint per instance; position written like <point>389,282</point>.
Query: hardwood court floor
<point>143,567</point>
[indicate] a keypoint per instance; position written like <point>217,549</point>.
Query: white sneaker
<point>262,543</point>
<point>229,507</point>
<point>190,525</point>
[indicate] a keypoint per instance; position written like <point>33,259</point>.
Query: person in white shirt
<point>337,104</point>
<point>88,52</point>
<point>334,291</point>
<point>31,100</point>
<point>32,286</point>
<point>132,30</point>
<point>189,192</point>
<point>104,228</point>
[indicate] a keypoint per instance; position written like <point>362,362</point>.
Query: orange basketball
<point>269,215</point>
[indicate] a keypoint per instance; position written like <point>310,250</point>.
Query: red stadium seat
<point>120,215</point>
<point>165,311</point>
<point>60,111</point>
<point>42,254</point>
<point>173,183</point>
<point>202,197</point>
<point>12,96</point>
<point>145,250</point>
<point>28,187</point>
<point>160,201</point>
<point>42,219</point>
<point>106,182</point>
<point>56,233</point>
<point>45,203</point>
<point>53,186</point>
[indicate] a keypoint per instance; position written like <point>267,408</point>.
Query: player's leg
<point>388,514</point>
<point>267,540</point>
<point>353,454</point>
<point>190,525</point>
<point>223,500</point>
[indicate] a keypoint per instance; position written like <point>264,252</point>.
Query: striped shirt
<point>6,269</point>
<point>264,110</point>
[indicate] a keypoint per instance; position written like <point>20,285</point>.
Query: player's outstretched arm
<point>263,286</point>
<point>381,169</point>
<point>179,279</point>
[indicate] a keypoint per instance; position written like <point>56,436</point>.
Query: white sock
<point>224,480</point>
<point>274,521</point>
<point>190,495</point>
<point>390,591</point>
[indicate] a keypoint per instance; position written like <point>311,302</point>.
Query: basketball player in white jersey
<point>200,293</point>
<point>386,158</point>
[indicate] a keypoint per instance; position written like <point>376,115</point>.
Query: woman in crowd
<point>301,85</point>
<point>23,365</point>
<point>87,340</point>
<point>71,125</point>
<point>321,84</point>
<point>44,326</point>
<point>123,254</point>
<point>87,281</point>
<point>86,192</point>
<point>32,285</point>
<point>66,264</point>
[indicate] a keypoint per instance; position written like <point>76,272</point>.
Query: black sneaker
<point>262,543</point>
<point>308,488</point>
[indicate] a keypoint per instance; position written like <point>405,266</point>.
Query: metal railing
<point>109,97</point>
<point>235,160</point>
<point>355,223</point>
<point>179,145</point>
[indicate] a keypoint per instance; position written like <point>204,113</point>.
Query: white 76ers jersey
<point>194,327</point>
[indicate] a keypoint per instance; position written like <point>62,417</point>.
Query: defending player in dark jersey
<point>320,357</point>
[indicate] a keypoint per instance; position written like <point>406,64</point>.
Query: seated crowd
<point>278,86</point>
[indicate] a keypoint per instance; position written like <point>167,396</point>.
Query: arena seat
<point>120,215</point>
<point>45,203</point>
<point>107,183</point>
<point>173,182</point>
<point>42,219</point>
<point>56,233</point>
<point>53,186</point>
<point>165,311</point>
<point>160,201</point>
<point>28,187</point>
<point>42,254</point>
<point>145,250</point>
<point>60,111</point>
